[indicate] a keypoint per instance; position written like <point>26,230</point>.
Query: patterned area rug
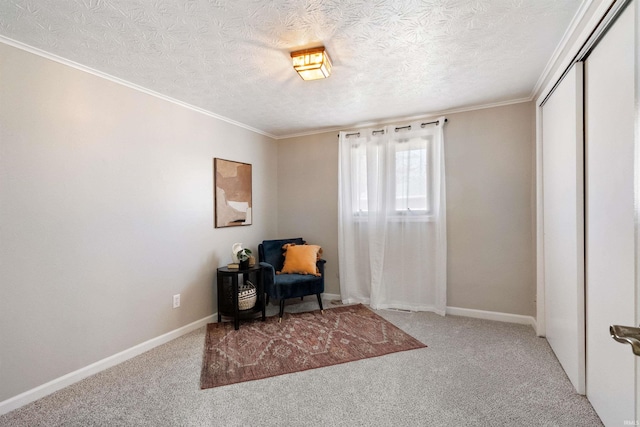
<point>302,341</point>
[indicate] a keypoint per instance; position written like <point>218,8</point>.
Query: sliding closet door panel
<point>610,261</point>
<point>563,161</point>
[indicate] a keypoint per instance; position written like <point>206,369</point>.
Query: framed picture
<point>232,186</point>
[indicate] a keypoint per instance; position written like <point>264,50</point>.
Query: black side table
<point>228,294</point>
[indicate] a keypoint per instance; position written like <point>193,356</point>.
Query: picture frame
<point>232,193</point>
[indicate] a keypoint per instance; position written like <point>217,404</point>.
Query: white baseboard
<point>82,373</point>
<point>493,315</point>
<point>467,312</point>
<point>73,377</point>
<point>331,296</point>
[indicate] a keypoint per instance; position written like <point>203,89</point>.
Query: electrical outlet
<point>176,301</point>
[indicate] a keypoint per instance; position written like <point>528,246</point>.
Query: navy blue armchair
<point>285,286</point>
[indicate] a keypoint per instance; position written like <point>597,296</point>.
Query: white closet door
<point>563,195</point>
<point>610,277</point>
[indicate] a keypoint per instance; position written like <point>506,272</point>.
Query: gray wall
<point>490,206</point>
<point>490,229</point>
<point>106,211</point>
<point>308,196</point>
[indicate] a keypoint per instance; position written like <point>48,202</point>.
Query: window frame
<point>396,215</point>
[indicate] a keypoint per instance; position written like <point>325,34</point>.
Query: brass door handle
<point>627,335</point>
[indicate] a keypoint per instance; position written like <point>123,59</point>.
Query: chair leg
<point>320,302</point>
<point>281,309</point>
<point>266,300</point>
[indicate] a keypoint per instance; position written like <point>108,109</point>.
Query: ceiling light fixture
<point>312,64</point>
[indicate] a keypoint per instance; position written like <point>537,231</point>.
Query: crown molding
<point>72,64</point>
<point>67,62</point>
<point>407,118</point>
<point>564,42</point>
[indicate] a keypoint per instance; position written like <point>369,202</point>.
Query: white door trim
<point>592,30</point>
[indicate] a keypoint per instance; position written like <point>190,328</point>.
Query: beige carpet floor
<point>474,373</point>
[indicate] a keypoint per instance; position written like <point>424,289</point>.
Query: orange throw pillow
<point>301,259</point>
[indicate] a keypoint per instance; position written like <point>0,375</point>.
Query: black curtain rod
<point>436,122</point>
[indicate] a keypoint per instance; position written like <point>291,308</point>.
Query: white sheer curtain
<point>392,217</point>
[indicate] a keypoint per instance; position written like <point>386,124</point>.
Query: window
<point>392,217</point>
<point>406,171</point>
<point>412,181</point>
<point>359,167</point>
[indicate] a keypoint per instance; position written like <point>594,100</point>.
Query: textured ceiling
<point>391,58</point>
